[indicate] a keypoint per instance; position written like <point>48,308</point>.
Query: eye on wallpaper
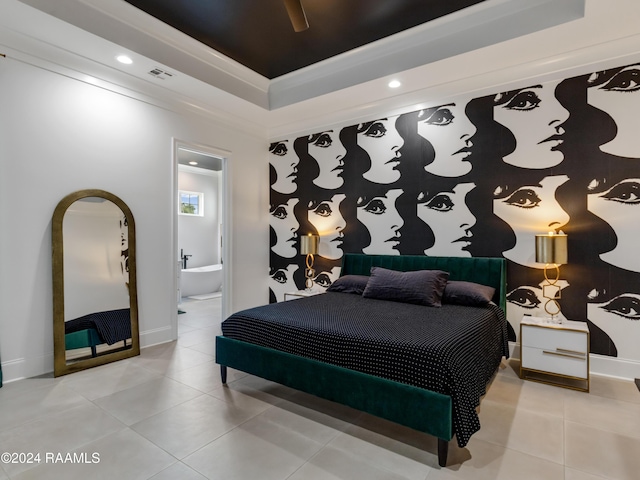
<point>481,177</point>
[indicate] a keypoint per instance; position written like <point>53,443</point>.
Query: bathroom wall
<point>200,236</point>
<point>481,176</point>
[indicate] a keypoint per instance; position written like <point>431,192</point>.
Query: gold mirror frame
<point>60,365</point>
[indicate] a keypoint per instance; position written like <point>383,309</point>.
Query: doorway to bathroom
<point>199,215</point>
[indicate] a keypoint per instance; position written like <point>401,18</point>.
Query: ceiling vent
<point>161,74</point>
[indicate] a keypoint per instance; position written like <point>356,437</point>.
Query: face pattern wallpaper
<point>481,177</point>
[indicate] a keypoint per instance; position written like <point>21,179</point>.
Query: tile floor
<point>164,415</point>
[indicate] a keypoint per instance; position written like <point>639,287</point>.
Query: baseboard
<point>156,336</point>
<point>21,368</point>
<point>614,367</point>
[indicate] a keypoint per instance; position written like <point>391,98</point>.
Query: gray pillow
<point>467,293</point>
<point>422,287</point>
<point>349,284</point>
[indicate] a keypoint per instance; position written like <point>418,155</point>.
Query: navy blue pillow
<point>467,293</point>
<point>349,284</point>
<point>422,287</point>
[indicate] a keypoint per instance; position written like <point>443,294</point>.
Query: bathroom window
<point>191,203</point>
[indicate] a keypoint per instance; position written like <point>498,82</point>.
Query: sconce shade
<point>309,244</point>
<point>552,248</point>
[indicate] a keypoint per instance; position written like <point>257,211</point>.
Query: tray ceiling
<point>248,48</point>
<point>259,35</point>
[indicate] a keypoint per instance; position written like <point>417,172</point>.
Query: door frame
<point>227,245</point>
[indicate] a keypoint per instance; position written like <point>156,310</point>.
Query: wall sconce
<point>309,247</point>
<point>551,249</point>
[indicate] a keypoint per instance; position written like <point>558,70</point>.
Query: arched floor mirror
<point>95,305</point>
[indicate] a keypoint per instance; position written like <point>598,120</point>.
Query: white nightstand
<point>552,353</point>
<point>301,294</point>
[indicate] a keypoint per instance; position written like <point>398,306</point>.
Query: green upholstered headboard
<point>487,271</point>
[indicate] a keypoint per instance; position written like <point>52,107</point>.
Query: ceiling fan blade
<point>296,15</point>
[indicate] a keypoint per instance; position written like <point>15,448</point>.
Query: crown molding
<point>486,23</point>
<point>481,25</point>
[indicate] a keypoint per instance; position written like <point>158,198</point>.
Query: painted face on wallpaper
<point>535,117</point>
<point>528,300</point>
<point>327,149</point>
<point>617,93</point>
<point>528,210</point>
<point>382,143</point>
<point>284,161</point>
<point>619,318</point>
<point>124,249</point>
<point>619,206</point>
<point>326,218</point>
<point>449,131</point>
<point>281,281</point>
<point>380,216</point>
<point>325,278</point>
<point>449,218</point>
<point>285,225</point>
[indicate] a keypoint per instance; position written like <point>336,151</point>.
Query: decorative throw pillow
<point>467,293</point>
<point>349,284</point>
<point>422,287</point>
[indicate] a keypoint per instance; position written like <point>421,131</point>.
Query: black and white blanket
<point>453,350</point>
<point>112,325</point>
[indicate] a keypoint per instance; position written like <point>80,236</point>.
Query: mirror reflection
<point>95,312</point>
<point>96,284</point>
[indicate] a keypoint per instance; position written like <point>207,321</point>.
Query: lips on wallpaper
<point>480,177</point>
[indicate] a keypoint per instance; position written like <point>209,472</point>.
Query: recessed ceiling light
<point>193,163</point>
<point>394,84</point>
<point>124,59</point>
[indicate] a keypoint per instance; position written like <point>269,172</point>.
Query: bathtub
<point>200,280</point>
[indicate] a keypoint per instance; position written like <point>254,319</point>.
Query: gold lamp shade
<point>552,248</point>
<point>309,244</point>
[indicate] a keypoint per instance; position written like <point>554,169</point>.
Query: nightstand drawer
<point>542,337</point>
<point>555,362</point>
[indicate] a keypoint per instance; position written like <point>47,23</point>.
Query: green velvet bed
<point>87,338</point>
<point>418,408</point>
<point>98,328</point>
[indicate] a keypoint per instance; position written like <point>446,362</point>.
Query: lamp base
<point>554,319</point>
<point>309,273</point>
<point>552,292</point>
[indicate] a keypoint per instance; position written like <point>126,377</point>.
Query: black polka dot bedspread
<point>453,350</point>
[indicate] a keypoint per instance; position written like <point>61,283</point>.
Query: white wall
<point>198,236</point>
<point>59,135</point>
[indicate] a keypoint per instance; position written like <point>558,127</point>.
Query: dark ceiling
<point>259,35</point>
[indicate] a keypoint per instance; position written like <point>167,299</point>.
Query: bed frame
<point>87,338</point>
<point>90,337</point>
<point>414,407</point>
